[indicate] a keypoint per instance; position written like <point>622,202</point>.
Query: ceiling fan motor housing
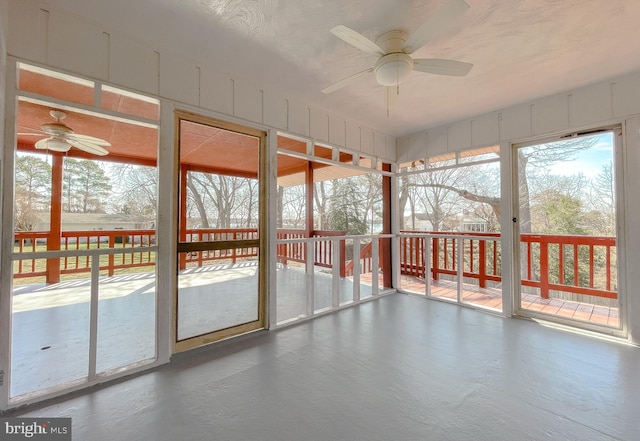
<point>393,69</point>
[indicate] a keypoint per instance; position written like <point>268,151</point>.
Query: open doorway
<point>566,225</point>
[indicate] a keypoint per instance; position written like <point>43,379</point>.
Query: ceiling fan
<point>394,48</point>
<point>62,137</point>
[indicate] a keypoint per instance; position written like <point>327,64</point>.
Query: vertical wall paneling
<point>366,140</point>
<point>178,79</point>
<point>588,105</point>
<point>42,35</point>
<point>437,142</point>
<point>337,131</point>
<point>216,91</point>
<point>515,122</point>
<point>550,114</point>
<point>459,136</point>
<point>353,136</point>
<point>625,96</point>
<point>319,125</point>
<point>379,145</point>
<point>298,118</point>
<point>133,65</point>
<point>27,25</point>
<point>247,101</point>
<point>106,43</point>
<point>403,148</point>
<point>485,130</point>
<point>76,45</point>
<point>275,110</point>
<point>390,148</point>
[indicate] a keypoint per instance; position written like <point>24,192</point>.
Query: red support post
<point>55,221</point>
<point>435,260</point>
<point>182,257</point>
<point>112,242</point>
<point>482,263</point>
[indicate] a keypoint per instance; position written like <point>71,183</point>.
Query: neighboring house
<point>95,222</point>
<point>469,224</point>
<point>420,222</point>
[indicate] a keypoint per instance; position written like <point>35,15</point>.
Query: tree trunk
<point>204,221</point>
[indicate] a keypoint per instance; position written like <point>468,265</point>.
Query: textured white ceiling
<point>521,49</point>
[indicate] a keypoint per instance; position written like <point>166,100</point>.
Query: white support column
<point>93,315</point>
<point>427,265</point>
<point>356,270</point>
<point>508,238</point>
<point>309,276</point>
<point>628,211</point>
<point>166,258</point>
<point>6,232</point>
<point>335,273</point>
<point>271,228</point>
<point>460,265</point>
<point>375,263</point>
<point>395,228</point>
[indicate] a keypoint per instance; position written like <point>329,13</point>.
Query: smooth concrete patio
<point>396,368</point>
<point>50,343</point>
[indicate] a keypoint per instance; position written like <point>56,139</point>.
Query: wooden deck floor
<point>492,298</point>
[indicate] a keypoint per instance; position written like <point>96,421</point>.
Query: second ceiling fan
<point>395,48</point>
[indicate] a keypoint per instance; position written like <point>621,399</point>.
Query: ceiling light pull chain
<point>386,93</point>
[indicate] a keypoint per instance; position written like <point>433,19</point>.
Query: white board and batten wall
<point>615,101</point>
<point>67,42</point>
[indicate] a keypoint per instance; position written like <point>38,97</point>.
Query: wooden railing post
<point>112,241</point>
<point>544,269</point>
<point>435,260</point>
<point>482,269</point>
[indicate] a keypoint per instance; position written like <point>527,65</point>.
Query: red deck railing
<point>582,265</point>
<point>550,259</point>
<point>31,241</point>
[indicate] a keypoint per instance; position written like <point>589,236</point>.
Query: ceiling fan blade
<point>345,81</point>
<point>88,147</point>
<point>32,134</point>
<point>356,39</point>
<point>89,139</point>
<point>435,25</point>
<point>442,67</point>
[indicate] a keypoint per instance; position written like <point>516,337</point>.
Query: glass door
<point>566,225</point>
<point>220,239</point>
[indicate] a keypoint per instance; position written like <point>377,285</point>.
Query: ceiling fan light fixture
<point>393,69</point>
<point>57,145</point>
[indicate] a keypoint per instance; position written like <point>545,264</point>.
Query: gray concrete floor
<point>396,368</point>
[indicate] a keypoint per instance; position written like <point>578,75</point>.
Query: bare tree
<point>32,190</point>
